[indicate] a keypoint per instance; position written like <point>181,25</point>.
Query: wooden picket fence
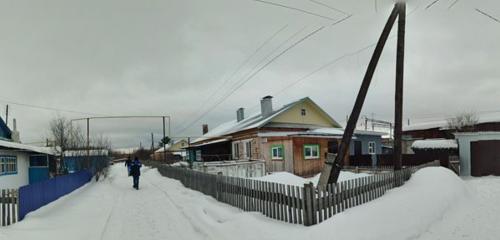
<point>307,205</point>
<point>8,206</point>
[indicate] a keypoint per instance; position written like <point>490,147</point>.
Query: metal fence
<point>8,206</point>
<point>34,196</point>
<point>307,205</point>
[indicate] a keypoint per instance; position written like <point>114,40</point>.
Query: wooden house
<point>293,138</point>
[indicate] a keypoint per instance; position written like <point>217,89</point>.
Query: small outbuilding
<point>479,153</point>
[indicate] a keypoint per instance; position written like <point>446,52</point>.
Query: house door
<point>485,158</point>
<point>358,150</point>
<point>333,146</point>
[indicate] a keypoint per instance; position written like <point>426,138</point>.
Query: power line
<point>232,88</point>
<point>244,63</point>
<point>296,9</point>
<point>453,4</point>
<point>431,4</point>
<point>488,15</point>
<point>255,73</point>
<point>47,108</point>
<point>330,7</point>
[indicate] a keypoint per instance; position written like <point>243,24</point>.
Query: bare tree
<point>463,122</point>
<point>65,136</point>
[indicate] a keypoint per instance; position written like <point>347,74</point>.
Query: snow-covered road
<point>163,209</point>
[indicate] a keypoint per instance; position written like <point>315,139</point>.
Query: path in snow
<point>163,209</point>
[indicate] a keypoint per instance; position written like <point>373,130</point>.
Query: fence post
<point>309,215</point>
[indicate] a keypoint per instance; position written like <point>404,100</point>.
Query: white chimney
<point>266,106</point>
<point>240,114</point>
<point>14,133</point>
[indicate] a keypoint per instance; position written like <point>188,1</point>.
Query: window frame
<point>372,147</point>
<point>282,148</point>
<point>8,165</point>
<point>248,149</point>
<point>312,157</point>
<point>236,151</point>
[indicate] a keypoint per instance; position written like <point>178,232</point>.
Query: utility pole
<point>334,163</point>
<point>7,115</point>
<point>164,144</point>
<point>88,143</point>
<point>398,115</point>
<point>152,142</point>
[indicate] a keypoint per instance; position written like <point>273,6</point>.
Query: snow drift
<point>164,209</point>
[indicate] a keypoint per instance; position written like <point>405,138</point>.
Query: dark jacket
<point>135,168</point>
<point>128,162</point>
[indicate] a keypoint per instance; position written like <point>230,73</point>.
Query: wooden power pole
<point>334,163</point>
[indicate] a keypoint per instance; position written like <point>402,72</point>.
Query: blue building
<point>93,160</point>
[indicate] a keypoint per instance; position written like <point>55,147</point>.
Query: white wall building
<point>15,163</point>
<point>479,153</point>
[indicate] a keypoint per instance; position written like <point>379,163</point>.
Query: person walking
<point>128,164</point>
<point>135,171</point>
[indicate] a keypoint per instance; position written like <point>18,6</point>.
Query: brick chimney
<point>205,128</point>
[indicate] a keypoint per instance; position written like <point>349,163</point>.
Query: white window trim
<point>372,146</point>
<point>236,150</point>
<point>311,147</point>
<point>247,153</point>
<point>282,153</point>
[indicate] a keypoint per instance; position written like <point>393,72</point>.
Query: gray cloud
<point>118,57</point>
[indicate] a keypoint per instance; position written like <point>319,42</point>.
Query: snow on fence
<point>8,206</point>
<point>308,205</point>
<point>34,196</point>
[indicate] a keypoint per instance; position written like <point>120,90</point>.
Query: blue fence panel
<point>34,196</point>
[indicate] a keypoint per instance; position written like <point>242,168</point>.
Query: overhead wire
<point>487,15</point>
<point>295,8</point>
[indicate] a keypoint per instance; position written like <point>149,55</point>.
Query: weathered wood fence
<point>307,205</point>
<point>8,206</point>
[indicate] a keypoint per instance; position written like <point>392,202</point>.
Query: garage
<point>479,153</point>
<point>485,158</point>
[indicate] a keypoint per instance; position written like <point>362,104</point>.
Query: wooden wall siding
<point>306,205</point>
<point>278,165</point>
<point>308,167</point>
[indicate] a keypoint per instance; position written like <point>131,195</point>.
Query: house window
<point>8,165</point>
<point>198,155</point>
<point>236,151</point>
<point>311,151</point>
<point>303,112</point>
<point>277,152</point>
<point>371,148</point>
<point>248,149</point>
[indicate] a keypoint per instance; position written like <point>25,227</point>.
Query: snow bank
<point>435,144</point>
<point>164,209</point>
<point>294,180</point>
<point>180,164</point>
<point>403,213</point>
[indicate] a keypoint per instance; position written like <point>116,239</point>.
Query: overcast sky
<point>178,58</point>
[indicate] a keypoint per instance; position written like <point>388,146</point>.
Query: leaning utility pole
<point>334,163</point>
<point>398,110</point>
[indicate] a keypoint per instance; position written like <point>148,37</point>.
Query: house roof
<point>435,144</point>
<point>257,121</point>
<point>168,146</point>
<point>27,148</point>
<point>320,132</point>
<point>5,132</point>
<point>443,123</point>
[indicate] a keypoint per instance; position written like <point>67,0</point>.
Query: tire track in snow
<point>188,218</point>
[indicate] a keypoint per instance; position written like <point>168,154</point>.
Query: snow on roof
<point>435,144</point>
<point>92,152</point>
<point>210,142</point>
<point>442,124</point>
<point>24,147</point>
<point>254,121</point>
<point>328,131</point>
